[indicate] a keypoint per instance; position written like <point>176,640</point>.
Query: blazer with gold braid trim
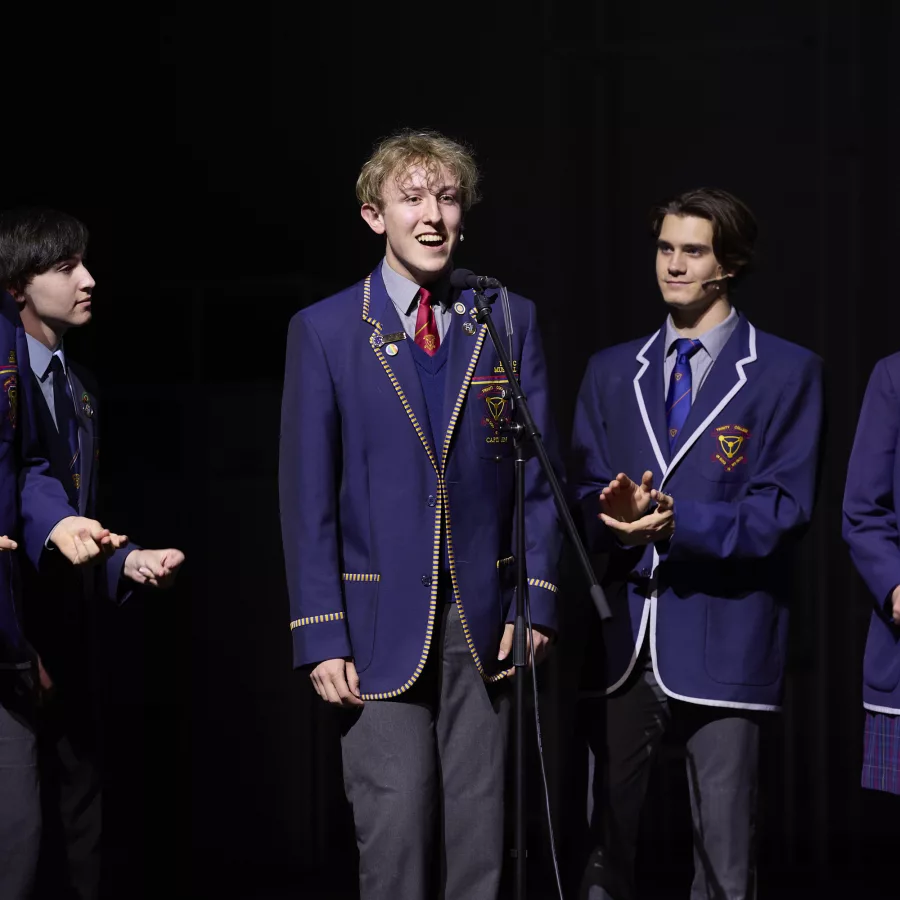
<point>714,600</point>
<point>368,501</point>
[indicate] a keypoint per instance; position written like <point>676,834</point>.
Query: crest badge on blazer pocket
<point>731,447</point>
<point>492,397</point>
<point>493,400</point>
<point>9,378</point>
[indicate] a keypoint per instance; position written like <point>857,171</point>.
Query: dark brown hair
<point>733,225</point>
<point>34,240</point>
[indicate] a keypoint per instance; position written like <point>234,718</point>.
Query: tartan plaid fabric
<point>881,753</point>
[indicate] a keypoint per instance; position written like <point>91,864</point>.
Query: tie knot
<point>424,297</point>
<point>687,347</point>
<point>55,364</point>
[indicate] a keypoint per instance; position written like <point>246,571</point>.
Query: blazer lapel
<point>53,445</point>
<point>651,400</point>
<point>84,403</point>
<point>726,378</point>
<point>380,314</point>
<point>464,350</point>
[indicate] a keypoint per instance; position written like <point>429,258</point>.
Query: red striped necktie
<point>426,327</point>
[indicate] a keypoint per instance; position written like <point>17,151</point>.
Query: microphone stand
<point>523,431</point>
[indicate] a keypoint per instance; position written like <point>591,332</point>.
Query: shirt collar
<point>713,340</point>
<point>404,292</point>
<point>40,355</point>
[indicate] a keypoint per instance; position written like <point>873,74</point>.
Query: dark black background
<point>213,153</point>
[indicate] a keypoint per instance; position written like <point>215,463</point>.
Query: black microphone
<point>466,278</point>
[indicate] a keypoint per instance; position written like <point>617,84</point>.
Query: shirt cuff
<point>48,544</point>
<point>888,607</point>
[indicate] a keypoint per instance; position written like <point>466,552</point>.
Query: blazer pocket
<point>881,663</point>
<point>712,470</point>
<point>727,453</point>
<point>487,411</point>
<point>742,640</point>
<point>361,605</point>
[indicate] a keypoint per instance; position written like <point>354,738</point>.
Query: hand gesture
<point>157,568</point>
<point>623,500</point>
<point>658,525</point>
<point>83,540</point>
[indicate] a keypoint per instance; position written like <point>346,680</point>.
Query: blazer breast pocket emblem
<point>730,448</point>
<point>492,393</point>
<point>11,389</point>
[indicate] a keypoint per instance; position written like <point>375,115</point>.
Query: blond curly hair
<point>395,155</point>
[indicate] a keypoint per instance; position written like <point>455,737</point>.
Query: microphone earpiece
<point>706,284</point>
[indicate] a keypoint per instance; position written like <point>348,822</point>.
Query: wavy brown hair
<point>734,227</point>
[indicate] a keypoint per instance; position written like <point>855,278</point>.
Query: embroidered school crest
<point>731,446</point>
<point>11,389</point>
<point>491,393</point>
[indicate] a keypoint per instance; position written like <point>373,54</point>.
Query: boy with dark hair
<point>42,267</point>
<point>34,505</point>
<point>727,419</point>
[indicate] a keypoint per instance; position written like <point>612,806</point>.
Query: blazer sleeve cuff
<point>542,596</point>
<point>118,587</point>
<point>887,607</point>
<point>321,637</point>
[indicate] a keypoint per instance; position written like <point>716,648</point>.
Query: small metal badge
<point>391,350</point>
<point>469,327</point>
<point>459,308</point>
<point>86,406</point>
<point>376,340</point>
<point>394,336</point>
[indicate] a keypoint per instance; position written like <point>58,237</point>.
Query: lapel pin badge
<point>469,327</point>
<point>459,308</point>
<point>391,350</point>
<point>86,406</point>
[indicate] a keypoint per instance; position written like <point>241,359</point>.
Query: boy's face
<point>421,218</point>
<point>685,260</point>
<point>61,296</point>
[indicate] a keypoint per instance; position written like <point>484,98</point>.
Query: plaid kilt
<point>881,753</point>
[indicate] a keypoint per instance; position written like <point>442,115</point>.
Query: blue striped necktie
<point>678,400</point>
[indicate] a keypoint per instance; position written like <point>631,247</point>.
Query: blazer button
<point>432,500</point>
<point>426,580</point>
